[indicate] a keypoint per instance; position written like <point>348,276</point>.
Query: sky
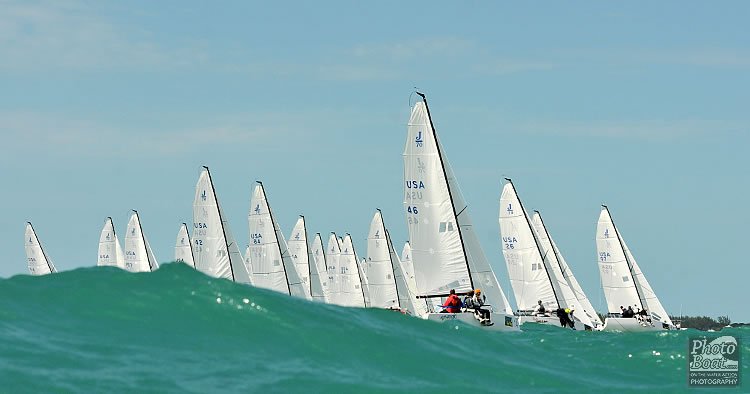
<point>111,106</point>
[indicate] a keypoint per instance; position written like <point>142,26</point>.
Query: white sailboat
<point>110,251</point>
<point>352,291</point>
<point>215,251</point>
<point>624,284</point>
<point>38,261</point>
<point>550,248</point>
<point>183,248</point>
<point>446,253</point>
<point>138,254</point>
<point>534,272</point>
<point>332,256</point>
<point>272,265</point>
<point>421,307</point>
<point>318,271</point>
<point>301,255</point>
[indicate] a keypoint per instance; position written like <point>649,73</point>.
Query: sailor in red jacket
<point>452,303</point>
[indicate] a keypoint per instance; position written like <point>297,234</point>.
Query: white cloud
<point>651,130</point>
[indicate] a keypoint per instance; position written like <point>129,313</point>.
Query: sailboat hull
<point>502,321</point>
<point>552,321</point>
<point>630,324</point>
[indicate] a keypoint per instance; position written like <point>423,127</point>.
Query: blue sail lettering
<point>414,184</point>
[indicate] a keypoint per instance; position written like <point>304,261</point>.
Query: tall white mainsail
<point>573,294</point>
<point>138,254</point>
<point>446,253</point>
<point>38,261</point>
<point>215,251</point>
<point>272,266</point>
<point>379,267</point>
<point>110,251</point>
<point>352,292</point>
<point>528,266</point>
<point>319,271</point>
<point>622,279</point>
<point>301,255</point>
<point>332,256</point>
<point>183,248</point>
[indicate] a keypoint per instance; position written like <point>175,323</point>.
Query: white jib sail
<point>318,271</point>
<point>420,305</point>
<point>272,265</point>
<point>38,261</point>
<point>526,269</point>
<point>617,280</point>
<point>301,255</point>
<point>215,251</point>
<point>138,254</point>
<point>653,305</point>
<point>364,284</point>
<point>332,256</point>
<point>562,274</point>
<point>183,250</point>
<point>350,279</point>
<point>110,251</point>
<point>405,298</point>
<point>446,253</point>
<point>378,267</point>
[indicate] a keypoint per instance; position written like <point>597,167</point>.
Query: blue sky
<point>112,106</point>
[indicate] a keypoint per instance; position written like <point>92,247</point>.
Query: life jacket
<point>453,304</point>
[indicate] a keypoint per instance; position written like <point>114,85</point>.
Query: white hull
<point>630,324</point>
<point>502,321</point>
<point>553,321</point>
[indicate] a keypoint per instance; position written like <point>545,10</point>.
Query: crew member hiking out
<point>477,302</point>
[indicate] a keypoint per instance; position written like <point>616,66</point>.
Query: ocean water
<point>176,330</point>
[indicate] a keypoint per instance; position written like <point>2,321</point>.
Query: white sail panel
<point>296,287</point>
<point>38,261</point>
<point>301,255</point>
<point>110,251</point>
<point>578,290</point>
<point>350,281</point>
<point>617,280</point>
<point>183,250</point>
<point>405,298</point>
<point>652,303</point>
<point>215,251</point>
<point>138,254</point>
<point>562,274</point>
<point>364,284</point>
<point>420,304</point>
<point>378,267</point>
<point>319,271</point>
<point>526,269</point>
<point>437,251</point>
<point>265,255</point>
<point>332,256</point>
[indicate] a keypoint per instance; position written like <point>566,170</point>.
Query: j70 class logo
<point>714,361</point>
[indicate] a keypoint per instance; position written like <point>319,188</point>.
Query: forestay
<point>572,295</point>
<point>110,251</point>
<point>215,251</point>
<point>301,255</point>
<point>38,261</point>
<point>138,254</point>
<point>183,250</point>
<point>272,266</point>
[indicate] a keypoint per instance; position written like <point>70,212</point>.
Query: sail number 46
<point>411,209</point>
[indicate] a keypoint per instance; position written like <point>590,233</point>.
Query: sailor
<point>452,303</point>
<point>539,309</point>
<point>564,315</point>
<point>623,312</point>
<point>477,301</point>
<point>630,311</point>
<point>468,304</point>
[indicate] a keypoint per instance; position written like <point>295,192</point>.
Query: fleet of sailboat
<point>442,256</point>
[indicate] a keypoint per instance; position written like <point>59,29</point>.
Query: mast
<point>536,242</point>
<point>450,193</point>
<point>276,235</point>
<point>627,260</point>
<point>359,275</point>
<point>221,220</point>
<point>49,264</point>
<point>143,239</point>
